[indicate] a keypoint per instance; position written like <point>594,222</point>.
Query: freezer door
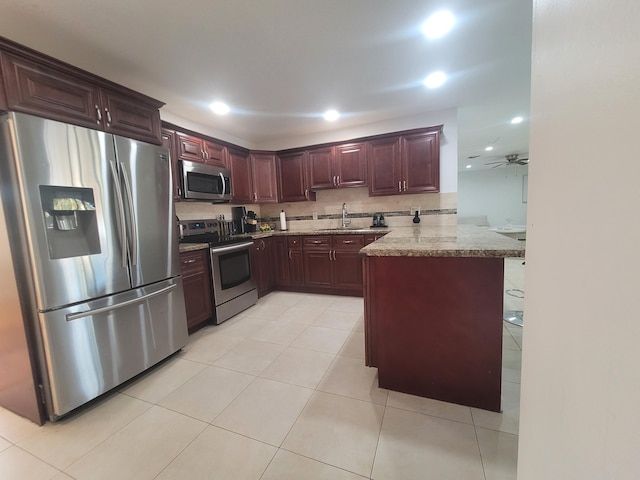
<point>152,236</point>
<point>59,195</point>
<point>93,347</point>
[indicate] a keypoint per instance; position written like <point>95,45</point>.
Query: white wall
<point>496,193</point>
<point>580,416</point>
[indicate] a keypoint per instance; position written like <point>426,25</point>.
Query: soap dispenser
<point>416,219</point>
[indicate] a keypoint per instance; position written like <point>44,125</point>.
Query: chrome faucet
<point>345,221</point>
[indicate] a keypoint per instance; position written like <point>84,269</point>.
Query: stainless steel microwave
<point>205,182</point>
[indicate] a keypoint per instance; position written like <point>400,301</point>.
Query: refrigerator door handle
<point>134,220</point>
<point>123,233</point>
<point>96,311</point>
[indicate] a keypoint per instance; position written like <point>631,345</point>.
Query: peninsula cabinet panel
<point>421,162</point>
<point>265,189</point>
<point>292,178</point>
<point>385,172</point>
<point>40,90</point>
<point>433,327</point>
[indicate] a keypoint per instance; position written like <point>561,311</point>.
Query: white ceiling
<point>280,64</point>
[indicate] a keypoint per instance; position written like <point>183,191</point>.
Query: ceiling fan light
<point>489,148</point>
<point>516,120</point>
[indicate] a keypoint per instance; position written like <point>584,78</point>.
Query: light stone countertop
<point>444,241</point>
<point>414,241</point>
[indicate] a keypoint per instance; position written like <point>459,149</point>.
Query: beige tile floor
<point>278,392</point>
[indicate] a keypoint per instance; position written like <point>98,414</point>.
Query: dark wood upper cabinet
<point>384,166</point>
<point>292,178</point>
<point>321,170</point>
<point>421,162</point>
<point>36,84</point>
<point>127,118</point>
<point>200,150</point>
<point>214,153</point>
<point>169,141</point>
<point>350,165</point>
<point>407,163</point>
<point>39,90</point>
<point>265,185</point>
<point>241,181</point>
<point>337,166</point>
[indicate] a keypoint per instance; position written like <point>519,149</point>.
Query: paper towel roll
<point>283,221</point>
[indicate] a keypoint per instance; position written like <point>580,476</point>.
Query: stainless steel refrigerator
<point>90,224</point>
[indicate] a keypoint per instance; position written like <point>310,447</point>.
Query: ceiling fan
<point>511,159</point>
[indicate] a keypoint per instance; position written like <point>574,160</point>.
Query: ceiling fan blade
<point>523,162</point>
<point>499,161</point>
<point>499,165</point>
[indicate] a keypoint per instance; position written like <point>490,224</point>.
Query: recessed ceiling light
<point>219,108</point>
<point>438,24</point>
<point>489,148</point>
<point>516,120</point>
<point>331,115</point>
<point>468,166</point>
<point>435,80</point>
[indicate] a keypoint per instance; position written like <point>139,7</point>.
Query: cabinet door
<point>241,181</point>
<point>263,167</point>
<point>169,142</point>
<point>262,266</point>
<point>350,165</point>
<point>296,261</point>
<point>196,280</point>
<point>3,97</point>
<point>318,265</point>
<point>125,116</point>
<point>214,153</point>
<point>292,181</point>
<point>281,260</point>
<point>46,92</point>
<point>421,162</point>
<point>347,263</point>
<point>189,148</point>
<point>384,166</point>
<point>321,174</point>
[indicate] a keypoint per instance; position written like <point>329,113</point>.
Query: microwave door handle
<point>120,205</point>
<point>224,185</point>
<point>132,216</point>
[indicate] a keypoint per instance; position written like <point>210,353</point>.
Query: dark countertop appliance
<point>244,221</point>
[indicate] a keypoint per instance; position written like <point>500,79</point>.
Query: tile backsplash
<point>435,209</point>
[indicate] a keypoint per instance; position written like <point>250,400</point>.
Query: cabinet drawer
<point>194,261</point>
<point>348,242</point>
<point>317,242</point>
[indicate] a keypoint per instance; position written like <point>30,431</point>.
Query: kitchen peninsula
<point>433,311</point>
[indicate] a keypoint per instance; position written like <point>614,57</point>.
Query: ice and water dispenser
<point>70,220</point>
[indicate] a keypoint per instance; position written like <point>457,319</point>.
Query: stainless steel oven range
<point>234,288</point>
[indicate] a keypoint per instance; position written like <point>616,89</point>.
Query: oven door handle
<point>230,248</point>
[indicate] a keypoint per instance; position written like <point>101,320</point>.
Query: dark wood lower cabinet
<point>433,327</point>
<point>196,281</point>
<point>262,264</point>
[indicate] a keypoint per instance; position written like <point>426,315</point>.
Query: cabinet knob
<point>99,115</point>
<point>347,242</point>
<point>404,183</point>
<point>400,187</point>
<point>191,260</point>
<point>289,254</point>
<point>106,110</point>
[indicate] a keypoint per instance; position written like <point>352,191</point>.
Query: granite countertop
<point>420,241</point>
<point>444,241</point>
